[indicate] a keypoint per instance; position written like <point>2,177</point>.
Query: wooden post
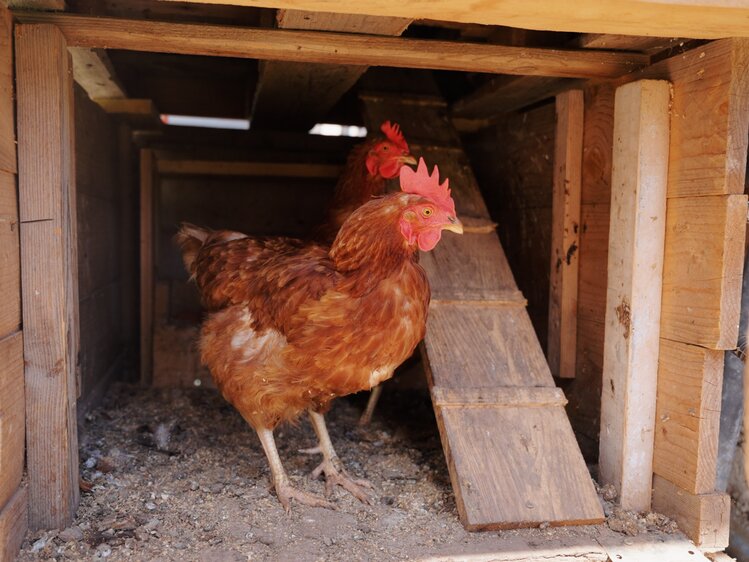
<point>147,167</point>
<point>49,271</point>
<point>565,234</point>
<point>635,265</point>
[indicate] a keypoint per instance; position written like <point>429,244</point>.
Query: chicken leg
<point>284,490</point>
<point>374,397</point>
<point>332,467</point>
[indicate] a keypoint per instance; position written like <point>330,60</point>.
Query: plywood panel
<point>12,415</point>
<point>703,270</point>
<point>687,418</point>
<point>10,271</point>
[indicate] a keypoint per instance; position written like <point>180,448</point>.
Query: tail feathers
<point>190,239</point>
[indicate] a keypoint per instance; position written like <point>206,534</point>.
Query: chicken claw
<point>286,492</point>
<point>337,476</point>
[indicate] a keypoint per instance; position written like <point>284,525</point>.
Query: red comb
<point>422,183</point>
<point>393,133</point>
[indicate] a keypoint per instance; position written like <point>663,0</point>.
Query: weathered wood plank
<point>230,168</point>
<point>147,195</point>
<point>703,270</point>
<point>10,265</point>
<point>13,524</point>
<point>702,19</point>
<point>49,271</point>
<point>333,48</point>
<point>12,415</point>
<point>93,70</point>
<point>565,234</point>
<point>635,264</point>
<point>704,518</point>
<point>294,95</point>
<point>510,397</point>
<point>7,123</point>
<point>687,417</point>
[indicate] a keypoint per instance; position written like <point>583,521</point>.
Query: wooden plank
<point>7,124</point>
<point>635,264</point>
<point>702,19</point>
<point>687,419</point>
<point>10,266</point>
<point>230,168</point>
<point>491,489</point>
<point>704,518</point>
<point>512,397</point>
<point>147,194</point>
<point>13,525</point>
<point>565,234</point>
<point>333,48</point>
<point>128,106</point>
<point>293,95</point>
<point>703,270</point>
<point>510,355</point>
<point>36,4</point>
<point>643,44</point>
<point>49,271</point>
<point>93,70</point>
<point>12,415</point>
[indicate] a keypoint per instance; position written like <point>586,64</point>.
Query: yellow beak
<point>454,226</point>
<point>407,160</point>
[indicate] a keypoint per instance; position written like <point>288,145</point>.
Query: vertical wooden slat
<point>48,246</point>
<point>146,265</point>
<point>635,263</point>
<point>12,413</point>
<point>565,234</point>
<point>7,123</point>
<point>13,523</point>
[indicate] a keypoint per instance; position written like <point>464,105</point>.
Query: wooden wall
<point>13,497</point>
<point>106,226</point>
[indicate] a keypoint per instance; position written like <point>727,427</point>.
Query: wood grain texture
<point>294,95</point>
<point>147,179</point>
<point>703,270</point>
<point>93,70</point>
<point>687,419</point>
<point>49,271</point>
<point>513,397</point>
<point>635,265</point>
<point>333,48</point>
<point>704,518</point>
<point>565,234</point>
<point>704,19</point>
<point>13,525</point>
<point>12,415</point>
<point>7,123</point>
<point>10,266</point>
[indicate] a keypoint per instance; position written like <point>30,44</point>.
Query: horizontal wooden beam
<point>699,19</point>
<point>266,169</point>
<point>333,48</point>
<point>93,70</point>
<point>496,397</point>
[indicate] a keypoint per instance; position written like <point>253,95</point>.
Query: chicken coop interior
<point>584,326</point>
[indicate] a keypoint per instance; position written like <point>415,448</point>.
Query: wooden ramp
<point>510,449</point>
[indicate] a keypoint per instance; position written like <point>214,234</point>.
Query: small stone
<point>194,486</point>
<point>71,534</point>
<point>152,524</point>
<point>216,488</point>
<point>544,525</point>
<point>265,538</point>
<point>608,492</point>
<point>108,534</point>
<point>327,541</point>
<point>90,463</point>
<point>38,545</point>
<point>103,551</point>
<point>150,506</point>
<point>179,545</point>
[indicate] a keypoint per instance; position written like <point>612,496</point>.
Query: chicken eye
<point>426,212</point>
<point>385,148</point>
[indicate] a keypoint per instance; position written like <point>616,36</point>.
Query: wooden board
<point>635,264</point>
<point>10,267</point>
<point>49,271</point>
<point>264,169</point>
<point>12,415</point>
<point>565,234</point>
<point>688,415</point>
<point>147,179</point>
<point>13,525</point>
<point>93,70</point>
<point>704,518</point>
<point>512,456</point>
<point>703,269</point>
<point>7,123</point>
<point>334,48</point>
<point>706,19</point>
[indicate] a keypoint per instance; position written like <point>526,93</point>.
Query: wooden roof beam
<point>698,19</point>
<point>333,48</point>
<point>94,72</point>
<point>295,95</point>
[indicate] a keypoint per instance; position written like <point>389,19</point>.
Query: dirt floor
<point>178,475</point>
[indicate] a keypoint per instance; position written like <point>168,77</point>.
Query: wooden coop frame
<point>675,132</point>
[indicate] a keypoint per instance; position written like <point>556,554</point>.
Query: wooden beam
<point>333,48</point>
<point>147,195</point>
<point>36,4</point>
<point>704,518</point>
<point>565,234</point>
<point>700,19</point>
<point>49,271</point>
<point>13,524</point>
<point>12,415</point>
<point>635,263</point>
<point>265,169</point>
<point>688,415</point>
<point>645,44</point>
<point>93,70</point>
<point>294,95</point>
<point>7,124</point>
